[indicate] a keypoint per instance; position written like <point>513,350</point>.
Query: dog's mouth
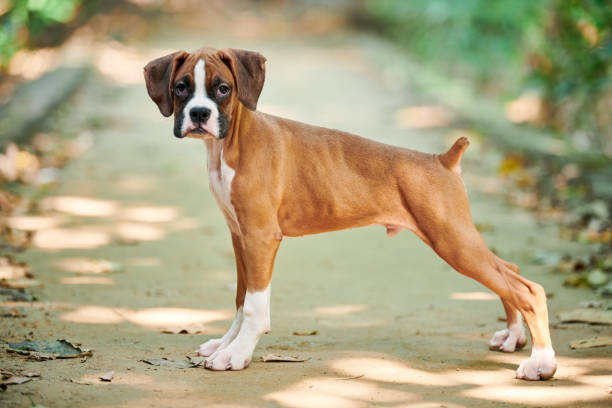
<point>197,132</point>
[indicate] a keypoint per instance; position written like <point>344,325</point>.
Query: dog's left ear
<point>158,77</point>
<point>249,72</point>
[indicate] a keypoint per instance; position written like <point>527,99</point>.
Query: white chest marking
<point>220,178</point>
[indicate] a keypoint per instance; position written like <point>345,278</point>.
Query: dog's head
<point>204,88</point>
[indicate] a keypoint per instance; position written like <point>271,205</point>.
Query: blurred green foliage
<point>560,48</point>
<point>23,20</point>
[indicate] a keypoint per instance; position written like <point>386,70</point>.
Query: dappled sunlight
<point>183,224</point>
<point>144,262</point>
<point>538,393</point>
<point>165,317</point>
<point>87,280</point>
<point>474,296</point>
<point>337,392</point>
<point>81,206</point>
<point>132,231</point>
<point>170,319</point>
<point>379,369</point>
<point>526,108</point>
<point>93,314</point>
<point>31,64</point>
<point>120,63</point>
<point>85,265</point>
<point>134,184</point>
<point>340,310</point>
<point>71,238</point>
<point>34,222</point>
<point>149,214</point>
<point>423,117</point>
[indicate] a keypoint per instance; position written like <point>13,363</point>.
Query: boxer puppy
<point>275,178</point>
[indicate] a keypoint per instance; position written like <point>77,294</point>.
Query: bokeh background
<point>110,238</point>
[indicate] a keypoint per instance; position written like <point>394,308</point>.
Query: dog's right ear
<point>159,74</point>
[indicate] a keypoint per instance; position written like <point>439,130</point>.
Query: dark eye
<point>180,89</point>
<point>223,90</point>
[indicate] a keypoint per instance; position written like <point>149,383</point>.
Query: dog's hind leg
<point>462,246</point>
<point>513,336</point>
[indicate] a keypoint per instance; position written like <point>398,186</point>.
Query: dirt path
<point>395,325</point>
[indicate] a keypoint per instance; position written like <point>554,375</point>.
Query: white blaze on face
<point>200,99</point>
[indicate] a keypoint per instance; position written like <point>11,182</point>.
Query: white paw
<point>509,339</point>
<point>229,358</point>
<point>540,366</point>
<point>208,348</point>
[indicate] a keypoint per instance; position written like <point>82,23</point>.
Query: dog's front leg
<point>212,345</point>
<point>255,255</point>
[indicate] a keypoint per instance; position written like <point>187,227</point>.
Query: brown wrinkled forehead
<point>213,65</point>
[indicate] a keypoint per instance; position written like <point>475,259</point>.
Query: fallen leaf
<point>285,359</point>
<point>19,283</point>
<point>591,342</point>
<point>16,295</point>
<point>310,333</point>
<point>15,380</point>
<point>591,316</point>
<point>193,328</point>
<point>107,376</point>
<point>591,304</point>
<point>47,350</point>
<point>169,363</point>
<point>12,312</point>
<point>355,377</point>
<point>39,356</point>
<point>10,269</point>
<point>72,380</point>
<point>197,361</point>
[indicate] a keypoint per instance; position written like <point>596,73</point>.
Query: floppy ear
<point>249,72</point>
<point>158,77</point>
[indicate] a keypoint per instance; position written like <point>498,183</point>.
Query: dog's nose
<point>199,115</point>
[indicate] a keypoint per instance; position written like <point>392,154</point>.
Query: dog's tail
<point>452,159</point>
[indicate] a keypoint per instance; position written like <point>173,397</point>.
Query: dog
<point>275,178</point>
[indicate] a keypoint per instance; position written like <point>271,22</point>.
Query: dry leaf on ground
<point>282,359</point>
<point>169,363</point>
<point>10,269</point>
<point>597,341</point>
<point>592,316</point>
<point>15,295</point>
<point>48,350</point>
<point>193,328</point>
<point>310,333</point>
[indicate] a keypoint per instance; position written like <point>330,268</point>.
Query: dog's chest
<point>220,177</point>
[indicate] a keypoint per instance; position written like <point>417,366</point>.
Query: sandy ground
<point>395,325</point>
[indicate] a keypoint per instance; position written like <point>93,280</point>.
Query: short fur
<point>292,179</point>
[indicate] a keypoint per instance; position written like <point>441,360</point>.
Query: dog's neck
<point>228,147</point>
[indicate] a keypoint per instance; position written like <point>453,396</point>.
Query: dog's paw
<point>540,366</point>
<point>228,359</point>
<point>208,348</point>
<point>508,340</point>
